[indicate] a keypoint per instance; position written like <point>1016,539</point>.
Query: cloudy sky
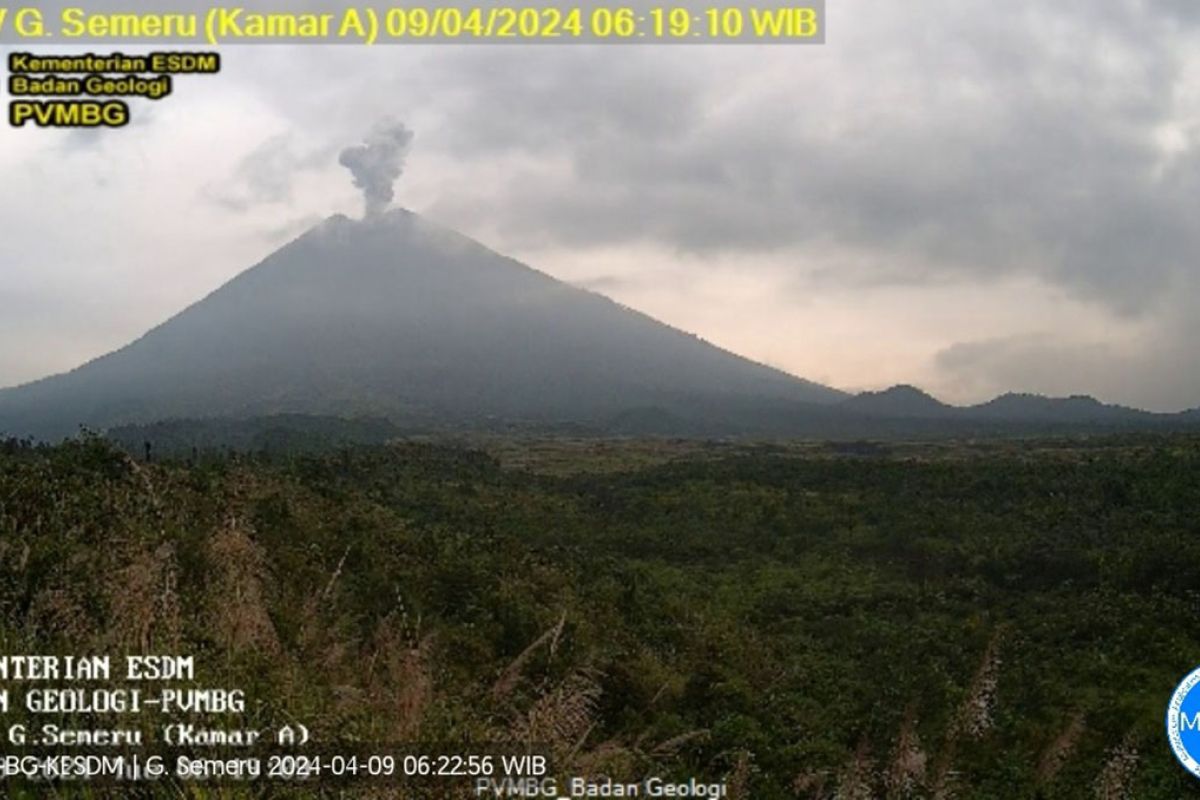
<point>969,199</point>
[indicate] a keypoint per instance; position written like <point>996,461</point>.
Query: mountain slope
<point>399,317</point>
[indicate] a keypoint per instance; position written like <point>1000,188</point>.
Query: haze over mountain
<point>396,316</point>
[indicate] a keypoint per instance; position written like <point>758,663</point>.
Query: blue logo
<point>1183,722</point>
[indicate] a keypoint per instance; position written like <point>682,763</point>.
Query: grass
<point>970,620</point>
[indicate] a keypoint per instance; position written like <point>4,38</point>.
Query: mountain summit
<point>399,317</point>
<point>903,401</point>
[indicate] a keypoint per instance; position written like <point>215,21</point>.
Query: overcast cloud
<point>971,200</point>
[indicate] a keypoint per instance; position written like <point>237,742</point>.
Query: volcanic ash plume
<point>377,163</point>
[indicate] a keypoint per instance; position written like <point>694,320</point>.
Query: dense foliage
<point>1006,620</point>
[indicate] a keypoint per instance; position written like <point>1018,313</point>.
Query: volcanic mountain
<point>398,317</point>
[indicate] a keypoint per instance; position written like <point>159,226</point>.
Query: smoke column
<point>377,163</point>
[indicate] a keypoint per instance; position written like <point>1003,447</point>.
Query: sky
<point>967,196</point>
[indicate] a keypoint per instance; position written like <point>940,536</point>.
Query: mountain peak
<point>905,390</point>
<point>1075,408</point>
<point>399,317</point>
<point>902,400</point>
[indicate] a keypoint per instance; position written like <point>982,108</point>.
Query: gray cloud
<point>142,113</point>
<point>605,283</point>
<point>1028,363</point>
<point>1047,145</point>
<point>377,163</point>
<point>1158,373</point>
<point>1012,143</point>
<point>1183,10</point>
<point>267,174</point>
<point>550,100</point>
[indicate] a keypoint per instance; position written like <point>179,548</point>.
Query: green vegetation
<point>1001,620</point>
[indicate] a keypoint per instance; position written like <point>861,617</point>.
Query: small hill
<point>1074,409</point>
<point>903,401</point>
<point>908,411</point>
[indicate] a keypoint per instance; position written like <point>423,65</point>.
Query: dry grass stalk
<point>906,772</point>
<point>337,573</point>
<point>944,784</point>
<point>414,679</point>
<point>737,782</point>
<point>562,716</point>
<point>858,776</point>
<point>672,746</point>
<point>143,475</point>
<point>811,784</point>
<point>975,714</point>
<point>400,677</point>
<point>511,675</point>
<point>1060,750</point>
<point>314,632</point>
<point>55,612</point>
<point>973,717</point>
<point>1115,781</point>
<point>241,621</point>
<point>144,601</point>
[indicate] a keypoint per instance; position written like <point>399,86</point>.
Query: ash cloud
<point>377,163</point>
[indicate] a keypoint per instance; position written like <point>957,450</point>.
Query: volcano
<point>398,317</point>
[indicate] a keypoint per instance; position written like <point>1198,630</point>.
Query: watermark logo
<point>1183,722</point>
